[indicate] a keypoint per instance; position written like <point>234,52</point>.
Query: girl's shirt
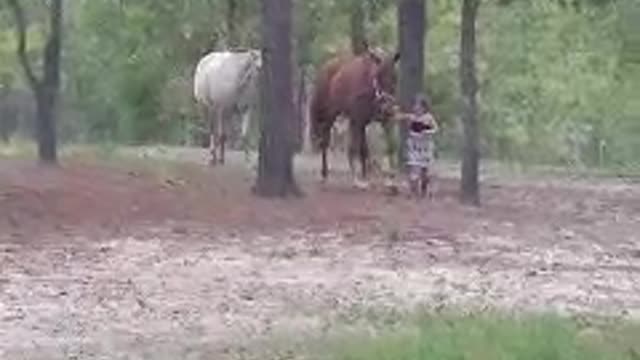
<point>420,145</point>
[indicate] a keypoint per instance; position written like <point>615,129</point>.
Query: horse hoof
<point>360,185</point>
<point>392,190</point>
<point>389,183</point>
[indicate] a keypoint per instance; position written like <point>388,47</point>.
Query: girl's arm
<point>400,116</point>
<point>431,121</point>
<point>434,124</point>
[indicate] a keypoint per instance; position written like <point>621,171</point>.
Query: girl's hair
<point>423,101</point>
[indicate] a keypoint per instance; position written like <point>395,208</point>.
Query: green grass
<point>490,337</point>
<point>110,152</point>
<point>18,149</point>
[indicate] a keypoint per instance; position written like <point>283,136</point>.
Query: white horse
<point>224,82</point>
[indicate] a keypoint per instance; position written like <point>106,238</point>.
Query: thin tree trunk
<point>46,89</point>
<point>275,169</point>
<point>6,113</point>
<point>357,25</point>
<point>300,106</point>
<point>232,11</point>
<point>412,28</point>
<point>470,193</point>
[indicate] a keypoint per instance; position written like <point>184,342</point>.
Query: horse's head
<point>385,77</point>
<point>384,84</point>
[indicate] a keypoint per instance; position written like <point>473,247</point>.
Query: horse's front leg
<point>222,136</point>
<point>325,139</point>
<point>391,154</point>
<point>246,121</point>
<point>364,154</point>
<point>211,119</point>
<point>353,149</point>
<point>356,148</point>
<point>390,143</point>
<point>325,167</point>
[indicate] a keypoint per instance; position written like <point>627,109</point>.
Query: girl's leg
<point>414,179</point>
<point>425,182</point>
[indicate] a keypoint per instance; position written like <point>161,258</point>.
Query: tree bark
<point>470,193</point>
<point>300,108</point>
<point>232,15</point>
<point>357,25</point>
<point>412,27</point>
<point>46,89</point>
<point>275,168</point>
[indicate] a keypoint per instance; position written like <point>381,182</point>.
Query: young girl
<point>421,126</point>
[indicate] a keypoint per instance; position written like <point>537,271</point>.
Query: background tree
<point>469,87</point>
<point>357,26</point>
<point>275,168</point>
<point>559,82</point>
<point>412,28</point>
<point>232,19</point>
<point>46,88</point>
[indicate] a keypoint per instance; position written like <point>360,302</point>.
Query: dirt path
<point>160,295</point>
<point>168,284</point>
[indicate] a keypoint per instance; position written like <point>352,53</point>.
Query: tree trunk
<point>357,25</point>
<point>47,100</point>
<point>300,108</point>
<point>412,28</point>
<point>470,193</point>
<point>275,169</point>
<point>232,12</point>
<point>7,118</point>
<point>46,89</point>
<point>45,126</point>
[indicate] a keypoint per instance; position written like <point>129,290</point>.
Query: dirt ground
<point>104,259</point>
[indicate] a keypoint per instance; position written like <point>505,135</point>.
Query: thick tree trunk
<point>47,99</point>
<point>412,28</point>
<point>470,193</point>
<point>357,25</point>
<point>275,169</point>
<point>45,126</point>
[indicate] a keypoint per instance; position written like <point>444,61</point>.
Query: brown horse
<point>360,87</point>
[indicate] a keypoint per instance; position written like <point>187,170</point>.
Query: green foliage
<point>550,91</point>
<point>10,72</point>
<point>559,79</point>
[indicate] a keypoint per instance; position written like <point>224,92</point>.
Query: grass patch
<point>492,169</point>
<point>490,337</point>
<point>18,148</point>
<point>144,161</point>
<point>151,162</point>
